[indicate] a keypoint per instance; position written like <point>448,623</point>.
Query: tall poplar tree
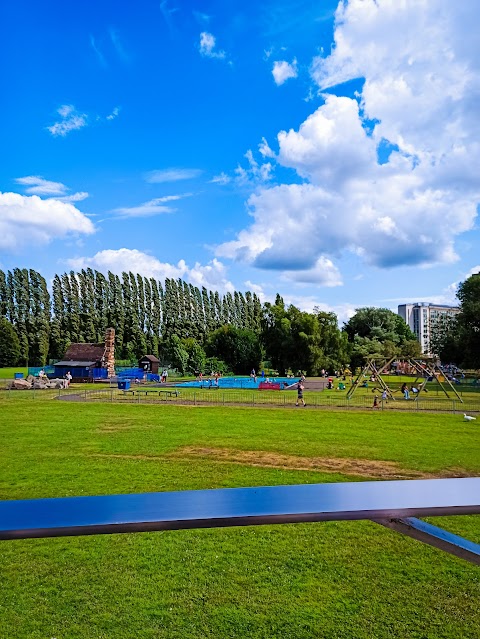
<point>39,320</point>
<point>22,307</point>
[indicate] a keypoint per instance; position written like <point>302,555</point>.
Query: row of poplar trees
<point>143,311</point>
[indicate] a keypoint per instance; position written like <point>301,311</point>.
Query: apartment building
<point>422,316</point>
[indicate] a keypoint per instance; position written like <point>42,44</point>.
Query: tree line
<point>195,329</point>
<point>457,339</point>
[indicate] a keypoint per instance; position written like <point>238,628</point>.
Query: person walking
<point>300,388</point>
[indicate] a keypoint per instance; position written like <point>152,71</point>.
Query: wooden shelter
<point>149,364</point>
<point>87,360</point>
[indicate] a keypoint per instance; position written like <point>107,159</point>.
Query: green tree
<point>175,353</point>
<point>468,320</point>
<point>3,295</point>
<point>239,348</point>
<point>378,323</point>
<point>21,288</point>
<point>9,344</point>
<point>39,320</point>
<point>196,355</point>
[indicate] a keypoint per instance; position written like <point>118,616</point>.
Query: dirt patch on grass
<point>345,466</point>
<point>367,468</point>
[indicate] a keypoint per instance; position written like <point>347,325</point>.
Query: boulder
<point>20,384</point>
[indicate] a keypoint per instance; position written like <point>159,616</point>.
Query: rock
<point>20,384</point>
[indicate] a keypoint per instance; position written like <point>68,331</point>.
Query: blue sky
<point>323,151</point>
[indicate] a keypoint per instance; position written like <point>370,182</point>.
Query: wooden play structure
<point>425,369</point>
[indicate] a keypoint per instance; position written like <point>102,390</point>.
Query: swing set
<point>426,369</point>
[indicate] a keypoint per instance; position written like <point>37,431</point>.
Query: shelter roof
<point>85,352</point>
<point>151,358</point>
<point>74,364</point>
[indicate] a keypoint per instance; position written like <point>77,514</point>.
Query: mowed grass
<point>348,580</point>
<point>9,373</point>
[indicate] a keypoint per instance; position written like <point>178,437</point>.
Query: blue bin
<point>125,385</point>
<point>18,375</point>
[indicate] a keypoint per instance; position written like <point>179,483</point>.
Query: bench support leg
<point>434,536</point>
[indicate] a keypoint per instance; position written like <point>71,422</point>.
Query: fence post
<point>111,394</point>
<point>454,406</point>
<point>194,399</point>
<point>253,399</point>
<point>85,394</point>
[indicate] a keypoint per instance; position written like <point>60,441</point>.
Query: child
<point>375,402</point>
<point>300,388</point>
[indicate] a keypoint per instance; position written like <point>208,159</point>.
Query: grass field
<point>345,580</point>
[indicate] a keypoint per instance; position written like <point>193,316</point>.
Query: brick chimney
<point>110,351</point>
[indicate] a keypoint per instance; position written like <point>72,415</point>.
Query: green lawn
<point>9,373</point>
<point>345,580</point>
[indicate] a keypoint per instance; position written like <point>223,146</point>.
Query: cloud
<point>100,57</point>
<point>29,220</point>
<point>207,47</point>
<point>254,173</point>
<point>118,45</point>
<point>150,208</point>
<point>323,273</point>
<point>212,275</point>
<point>167,14</point>
<point>283,71</point>
<point>75,197</point>
<point>113,114</point>
<point>202,18</point>
<point>71,120</point>
<point>171,175</point>
<point>256,288</point>
<point>265,150</point>
<point>419,99</point>
<point>37,185</point>
<point>223,178</point>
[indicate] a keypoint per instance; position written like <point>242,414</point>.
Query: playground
<point>300,580</point>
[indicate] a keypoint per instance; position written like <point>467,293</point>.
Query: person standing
<point>300,388</point>
<point>68,378</point>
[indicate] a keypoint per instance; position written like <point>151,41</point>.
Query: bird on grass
<point>468,418</point>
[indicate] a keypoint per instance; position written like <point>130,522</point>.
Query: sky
<point>326,150</point>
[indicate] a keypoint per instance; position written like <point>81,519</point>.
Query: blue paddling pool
<point>238,382</point>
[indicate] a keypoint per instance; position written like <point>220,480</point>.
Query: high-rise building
<point>421,317</point>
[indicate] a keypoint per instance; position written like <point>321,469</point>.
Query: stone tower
<point>109,355</point>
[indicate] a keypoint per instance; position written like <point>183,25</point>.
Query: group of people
<point>43,376</point>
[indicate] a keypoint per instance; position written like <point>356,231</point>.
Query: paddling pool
<point>238,382</point>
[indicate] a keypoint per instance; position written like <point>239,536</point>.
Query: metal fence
<point>218,397</point>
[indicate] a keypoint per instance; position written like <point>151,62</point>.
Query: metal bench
<point>169,393</point>
<point>394,504</point>
<point>154,391</point>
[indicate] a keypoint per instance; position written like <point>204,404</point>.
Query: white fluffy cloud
<point>283,71</point>
<point>208,46</point>
<point>27,220</point>
<point>71,120</point>
<point>391,176</point>
<point>212,275</point>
